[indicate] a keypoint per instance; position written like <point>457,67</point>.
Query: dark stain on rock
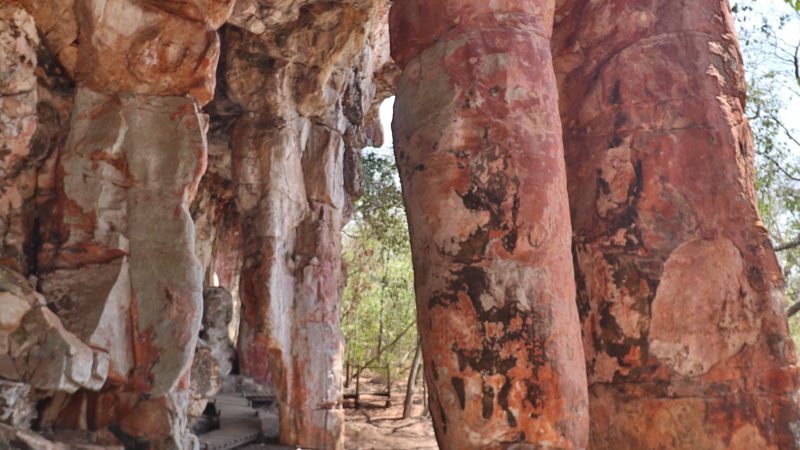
<point>608,323</point>
<point>502,400</point>
<point>458,385</point>
<point>442,300</point>
<point>581,291</point>
<point>616,95</point>
<point>535,395</point>
<point>638,279</point>
<point>491,356</point>
<point>129,441</point>
<point>488,199</point>
<point>615,142</point>
<point>352,100</point>
<point>777,345</point>
<point>623,218</point>
<point>510,241</point>
<point>756,277</point>
<point>444,417</point>
<point>605,188</point>
<point>494,189</point>
<point>487,401</point>
<point>473,248</point>
<point>636,187</point>
<point>621,120</point>
<point>519,437</point>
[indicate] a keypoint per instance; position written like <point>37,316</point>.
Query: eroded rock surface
<point>18,44</point>
<point>478,145</point>
<point>118,265</point>
<point>304,114</point>
<point>36,348</point>
<point>678,286</point>
<point>146,158</point>
<point>215,353</point>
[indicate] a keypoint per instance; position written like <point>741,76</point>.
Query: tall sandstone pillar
<point>304,90</point>
<point>679,291</point>
<point>121,270</point>
<point>478,145</point>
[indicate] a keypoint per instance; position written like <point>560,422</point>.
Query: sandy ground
<point>373,427</point>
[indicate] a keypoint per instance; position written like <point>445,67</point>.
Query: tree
<point>378,314</point>
<point>772,62</point>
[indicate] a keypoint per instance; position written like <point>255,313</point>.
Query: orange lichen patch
<point>144,353</point>
<point>81,254</point>
<point>416,27</point>
<point>117,161</point>
<point>163,55</point>
<point>211,12</point>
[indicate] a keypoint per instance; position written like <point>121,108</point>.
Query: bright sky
<point>790,34</point>
<point>385,112</point>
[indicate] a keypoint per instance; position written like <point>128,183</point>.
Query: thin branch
<point>788,132</point>
<point>797,63</point>
<point>779,167</point>
<point>794,309</point>
<point>788,245</point>
<point>389,345</point>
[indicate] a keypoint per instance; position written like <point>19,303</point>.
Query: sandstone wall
<point>590,266</point>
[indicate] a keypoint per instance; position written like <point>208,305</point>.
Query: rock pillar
<point>478,145</point>
<point>120,270</point>
<point>679,291</point>
<point>18,43</point>
<point>303,91</point>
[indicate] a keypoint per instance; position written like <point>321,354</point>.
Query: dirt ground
<point>373,427</point>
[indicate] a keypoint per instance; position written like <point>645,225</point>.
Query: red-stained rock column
<point>478,144</point>
<point>304,90</point>
<point>679,290</point>
<point>120,269</point>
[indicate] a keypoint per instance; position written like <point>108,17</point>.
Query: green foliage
<point>771,66</point>
<point>379,297</point>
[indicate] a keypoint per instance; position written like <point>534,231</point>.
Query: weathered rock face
<point>303,117</point>
<point>18,43</point>
<point>679,290</point>
<point>109,238</point>
<point>478,144</point>
<point>35,347</point>
<point>214,355</point>
<point>58,28</point>
<point>118,263</point>
<point>17,408</point>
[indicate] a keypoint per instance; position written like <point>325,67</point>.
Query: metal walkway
<point>239,424</point>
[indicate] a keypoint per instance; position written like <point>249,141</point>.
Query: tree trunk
<point>412,381</point>
<point>357,404</point>
<point>426,410</point>
<point>388,403</point>
<point>347,374</point>
<point>478,145</point>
